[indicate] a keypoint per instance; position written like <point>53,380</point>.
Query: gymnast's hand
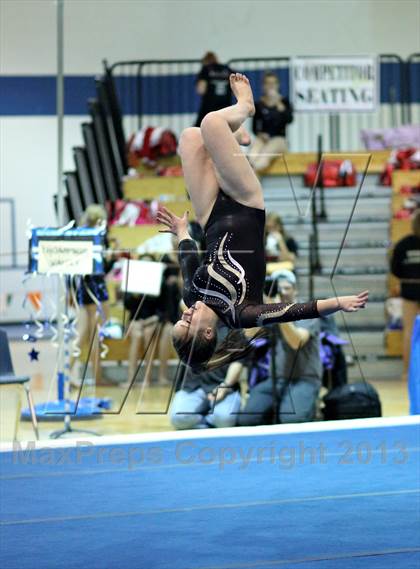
<point>176,225</point>
<point>351,303</point>
<point>219,393</point>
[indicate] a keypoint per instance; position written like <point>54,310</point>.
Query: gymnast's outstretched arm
<point>189,258</point>
<point>189,262</point>
<point>264,314</point>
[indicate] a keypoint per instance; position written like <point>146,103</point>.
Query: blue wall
<point>35,95</point>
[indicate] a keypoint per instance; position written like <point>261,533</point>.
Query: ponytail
<point>234,347</point>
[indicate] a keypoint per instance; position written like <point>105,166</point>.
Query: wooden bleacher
<point>172,189</point>
<point>155,187</point>
<point>298,162</point>
<point>132,237</point>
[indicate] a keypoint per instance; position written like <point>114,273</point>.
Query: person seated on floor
<point>279,245</point>
<point>298,369</point>
<point>208,399</point>
<point>273,113</point>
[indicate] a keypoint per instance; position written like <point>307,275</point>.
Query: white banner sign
<point>334,84</point>
<point>142,277</point>
<point>65,257</point>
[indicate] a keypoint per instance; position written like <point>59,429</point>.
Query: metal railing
<point>156,92</point>
<point>162,93</point>
<point>412,70</point>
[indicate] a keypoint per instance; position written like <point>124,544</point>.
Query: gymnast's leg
<point>232,169</point>
<point>199,174</point>
<point>199,171</point>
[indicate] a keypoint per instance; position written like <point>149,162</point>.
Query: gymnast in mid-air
<point>227,285</point>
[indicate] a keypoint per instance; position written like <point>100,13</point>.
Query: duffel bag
<point>352,401</point>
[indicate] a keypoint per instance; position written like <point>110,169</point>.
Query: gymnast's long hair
<point>202,354</point>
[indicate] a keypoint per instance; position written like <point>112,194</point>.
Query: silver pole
<point>61,301</point>
<point>60,109</point>
<point>334,124</point>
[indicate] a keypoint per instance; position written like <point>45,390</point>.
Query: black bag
<point>352,401</point>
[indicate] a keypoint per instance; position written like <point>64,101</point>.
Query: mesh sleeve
<point>265,314</point>
<point>189,262</point>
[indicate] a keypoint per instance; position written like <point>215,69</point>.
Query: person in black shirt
<point>405,265</point>
<point>272,113</point>
<point>227,284</point>
<point>212,84</point>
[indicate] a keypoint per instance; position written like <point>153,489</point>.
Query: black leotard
<point>230,279</point>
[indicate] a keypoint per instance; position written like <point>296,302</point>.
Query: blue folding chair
<point>8,377</point>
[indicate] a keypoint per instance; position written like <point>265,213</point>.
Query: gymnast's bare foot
<point>242,90</point>
<point>242,136</point>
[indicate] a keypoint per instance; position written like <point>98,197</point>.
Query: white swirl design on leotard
<point>266,316</point>
<point>240,273</point>
<point>223,256</point>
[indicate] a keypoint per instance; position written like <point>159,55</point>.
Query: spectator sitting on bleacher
<point>298,369</point>
<point>405,265</point>
<point>279,245</point>
<point>272,113</point>
<point>213,85</point>
<point>208,399</point>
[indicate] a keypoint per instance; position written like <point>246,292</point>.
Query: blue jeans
<point>193,410</point>
<point>297,405</point>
